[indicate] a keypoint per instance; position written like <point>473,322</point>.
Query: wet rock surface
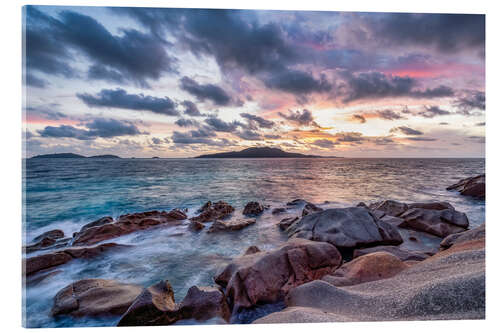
<point>287,222</point>
<point>124,225</point>
<point>153,306</point>
<point>436,222</point>
<point>473,234</point>
<point>253,208</point>
<point>266,277</point>
<point>232,225</point>
<point>472,186</point>
<point>448,285</point>
<point>369,267</point>
<point>95,297</point>
<point>52,234</point>
<point>203,303</point>
<point>402,254</point>
<point>49,260</point>
<point>211,212</point>
<point>346,228</point>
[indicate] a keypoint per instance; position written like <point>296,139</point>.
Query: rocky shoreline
<point>366,262</point>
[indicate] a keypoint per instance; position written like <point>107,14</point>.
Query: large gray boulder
<point>449,285</point>
<point>154,305</point>
<point>203,303</point>
<point>436,222</point>
<point>345,228</point>
<point>402,254</point>
<point>266,277</point>
<point>472,186</point>
<point>473,234</point>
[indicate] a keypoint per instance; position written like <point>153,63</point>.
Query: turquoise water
<point>68,193</point>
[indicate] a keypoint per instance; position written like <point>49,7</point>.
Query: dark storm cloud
<point>261,122</point>
<point>119,98</point>
<point>358,117</point>
<point>301,118</point>
<point>248,134</point>
<point>383,141</point>
<point>100,72</point>
<point>446,32</point>
<point>377,85</point>
<point>421,139</point>
<point>47,112</point>
<point>235,42</point>
<point>297,82</point>
<point>64,131</point>
<point>191,109</point>
<point>99,127</point>
<point>406,130</point>
<point>182,122</point>
<point>472,100</point>
<point>220,125</point>
<point>203,92</point>
<point>44,52</point>
<point>389,115</point>
<point>350,137</point>
<point>433,111</point>
<point>34,81</point>
<point>200,136</point>
<point>133,55</point>
<point>323,143</point>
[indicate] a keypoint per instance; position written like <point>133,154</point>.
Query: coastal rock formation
<point>287,222</point>
<point>232,225</point>
<point>296,202</point>
<point>95,297</point>
<point>251,250</point>
<point>212,212</point>
<point>177,214</point>
<point>42,244</point>
<point>369,267</point>
<point>253,208</point>
<point>345,228</point>
<point>96,223</point>
<point>195,226</point>
<point>203,303</point>
<point>473,234</point>
<point>310,208</point>
<point>402,254</point>
<point>48,260</point>
<point>266,277</point>
<point>435,218</point>
<point>277,211</point>
<point>389,207</point>
<point>449,285</point>
<point>154,305</point>
<point>51,234</point>
<point>124,225</point>
<point>436,222</point>
<point>472,186</point>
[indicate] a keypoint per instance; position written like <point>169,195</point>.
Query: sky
<point>143,82</point>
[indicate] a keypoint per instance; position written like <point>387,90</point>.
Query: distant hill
<point>104,156</point>
<point>258,152</point>
<point>61,155</point>
<point>71,155</point>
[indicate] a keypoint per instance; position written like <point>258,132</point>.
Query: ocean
<point>68,193</point>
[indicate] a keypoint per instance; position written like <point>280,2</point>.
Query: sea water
<point>68,193</point>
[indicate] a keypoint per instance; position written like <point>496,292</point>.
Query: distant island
<point>259,152</point>
<point>71,155</point>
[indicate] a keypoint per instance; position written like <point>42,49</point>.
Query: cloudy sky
<point>181,82</point>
